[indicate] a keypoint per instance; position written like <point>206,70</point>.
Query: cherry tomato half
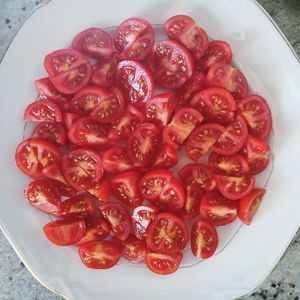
<point>52,132</point>
<point>134,249</point>
<point>167,157</point>
<point>101,190</point>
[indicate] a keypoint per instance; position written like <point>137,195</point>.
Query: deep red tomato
<point>192,86</point>
<point>171,64</point>
<point>82,168</point>
<point>86,132</point>
<point>216,105</point>
<point>32,155</point>
<point>43,111</point>
<point>141,218</point>
<point>234,165</point>
<point>135,81</point>
<point>134,249</point>
<point>257,154</point>
<point>218,210</point>
<point>225,76</point>
<point>217,51</point>
<point>160,108</point>
<point>202,139</point>
<point>52,132</point>
<point>233,138</point>
<point>167,157</point>
<point>95,42</point>
<point>257,114</point>
<point>102,190</point>
<point>183,123</point>
<point>235,187</point>
<point>134,38</point>
<point>143,144</point>
<point>163,264</point>
<point>185,30</point>
<point>99,254</point>
<point>125,188</point>
<point>44,196</point>
<point>65,232</point>
<point>116,160</point>
<point>125,125</point>
<point>97,229</point>
<point>69,119</point>
<point>198,174</point>
<point>204,239</point>
<point>167,233</point>
<point>249,205</point>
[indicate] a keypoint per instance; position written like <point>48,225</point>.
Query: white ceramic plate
<point>246,255</point>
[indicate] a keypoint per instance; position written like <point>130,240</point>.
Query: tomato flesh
<point>101,190</point>
<point>52,132</point>
<point>167,157</point>
<point>134,249</point>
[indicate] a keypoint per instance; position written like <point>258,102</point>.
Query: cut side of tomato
<point>167,157</point>
<point>52,132</point>
<point>102,190</point>
<point>134,249</point>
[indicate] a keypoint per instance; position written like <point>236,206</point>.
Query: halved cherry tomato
<point>134,249</point>
<point>249,205</point>
<point>86,132</point>
<point>125,188</point>
<point>99,254</point>
<point>202,139</point>
<point>82,168</point>
<point>118,217</point>
<point>163,264</point>
<point>69,119</point>
<point>134,38</point>
<point>257,114</point>
<point>94,42</point>
<point>218,210</point>
<point>204,239</point>
<point>52,132</point>
<point>235,187</point>
<point>233,138</point>
<point>225,76</point>
<point>32,155</point>
<point>167,233</point>
<point>160,108</point>
<point>141,218</point>
<point>97,229</point>
<point>192,86</point>
<point>183,123</point>
<point>143,144</point>
<point>43,111</point>
<point>217,51</point>
<point>185,30</point>
<point>125,125</point>
<point>44,196</point>
<point>167,157</point>
<point>235,164</point>
<point>78,206</point>
<point>65,232</point>
<point>135,81</point>
<point>116,160</point>
<point>102,190</point>
<point>171,64</point>
<point>257,154</point>
<point>198,174</point>
<point>216,104</point>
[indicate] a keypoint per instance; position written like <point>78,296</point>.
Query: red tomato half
<point>134,38</point>
<point>218,210</point>
<point>99,254</point>
<point>69,119</point>
<point>167,233</point>
<point>171,64</point>
<point>185,30</point>
<point>167,157</point>
<point>249,205</point>
<point>225,76</point>
<point>102,190</point>
<point>204,239</point>
<point>163,264</point>
<point>52,132</point>
<point>65,232</point>
<point>134,249</point>
<point>94,42</point>
<point>257,114</point>
<point>82,169</point>
<point>32,155</point>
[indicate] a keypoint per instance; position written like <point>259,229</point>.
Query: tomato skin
<point>134,249</point>
<point>167,157</point>
<point>52,132</point>
<point>249,204</point>
<point>257,114</point>
<point>69,119</point>
<point>108,253</point>
<point>65,232</point>
<point>102,190</point>
<point>204,239</point>
<point>163,264</point>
